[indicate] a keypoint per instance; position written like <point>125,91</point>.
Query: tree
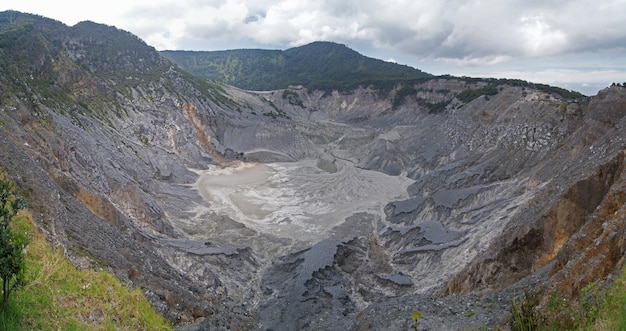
<point>12,244</point>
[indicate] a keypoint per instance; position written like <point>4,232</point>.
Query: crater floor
<point>300,200</point>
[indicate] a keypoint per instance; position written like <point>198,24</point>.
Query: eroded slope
<point>298,209</point>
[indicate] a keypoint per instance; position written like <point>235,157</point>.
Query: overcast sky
<point>575,44</point>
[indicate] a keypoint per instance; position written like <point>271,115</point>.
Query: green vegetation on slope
<point>58,296</point>
<point>490,89</point>
<point>319,65</point>
<point>12,243</point>
<point>89,68</point>
<point>325,66</point>
<point>612,313</point>
<point>469,95</point>
<point>594,309</point>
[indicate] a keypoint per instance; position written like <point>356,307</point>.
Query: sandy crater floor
<point>297,200</point>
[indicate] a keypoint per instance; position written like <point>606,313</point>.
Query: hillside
<point>319,65</point>
<point>302,208</point>
<point>59,296</point>
<point>73,137</point>
<point>324,66</point>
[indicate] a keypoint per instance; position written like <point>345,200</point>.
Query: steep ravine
<point>532,246</point>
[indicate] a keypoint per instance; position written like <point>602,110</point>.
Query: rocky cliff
<point>302,209</point>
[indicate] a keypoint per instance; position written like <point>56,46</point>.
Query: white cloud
<point>539,37</point>
<point>450,29</point>
<point>457,33</point>
<point>477,61</point>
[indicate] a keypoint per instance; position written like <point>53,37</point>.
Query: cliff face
<point>298,209</point>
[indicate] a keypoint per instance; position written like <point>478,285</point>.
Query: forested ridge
<point>319,65</point>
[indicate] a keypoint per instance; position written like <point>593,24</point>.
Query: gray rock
<point>112,171</point>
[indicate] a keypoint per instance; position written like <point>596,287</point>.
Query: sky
<point>575,44</point>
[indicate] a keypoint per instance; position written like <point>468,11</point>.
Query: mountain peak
<point>321,65</point>
<point>324,49</point>
<point>329,45</point>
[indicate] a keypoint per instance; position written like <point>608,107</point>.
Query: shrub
<point>469,94</point>
<point>523,312</point>
<point>12,244</point>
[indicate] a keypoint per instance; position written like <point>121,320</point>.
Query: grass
<point>523,314</point>
<point>58,296</point>
<point>10,316</point>
<point>596,309</point>
<point>612,313</point>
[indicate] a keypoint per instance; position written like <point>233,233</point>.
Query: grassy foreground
<point>58,296</point>
<point>596,309</point>
<point>612,313</point>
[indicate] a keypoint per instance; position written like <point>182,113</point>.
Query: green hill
<point>319,65</point>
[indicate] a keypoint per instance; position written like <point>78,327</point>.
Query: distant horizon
<point>571,44</point>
